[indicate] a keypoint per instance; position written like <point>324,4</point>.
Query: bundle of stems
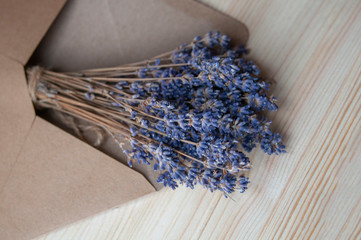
<point>188,111</point>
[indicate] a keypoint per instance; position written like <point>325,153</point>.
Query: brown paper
<point>22,25</point>
<point>17,115</point>
<point>108,33</point>
<point>57,180</point>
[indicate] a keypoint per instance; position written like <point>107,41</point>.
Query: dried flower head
<point>189,112</point>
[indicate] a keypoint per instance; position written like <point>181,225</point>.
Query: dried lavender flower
<point>189,112</point>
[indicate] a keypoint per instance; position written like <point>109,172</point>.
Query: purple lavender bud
<point>133,131</point>
<point>89,96</point>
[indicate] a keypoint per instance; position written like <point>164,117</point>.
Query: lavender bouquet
<point>189,113</point>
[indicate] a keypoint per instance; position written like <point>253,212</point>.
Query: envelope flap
<point>17,114</point>
<point>108,33</point>
<point>22,25</point>
<point>58,179</point>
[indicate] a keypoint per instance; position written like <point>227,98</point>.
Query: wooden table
<point>312,50</point>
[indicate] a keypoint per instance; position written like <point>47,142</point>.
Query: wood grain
<point>312,50</point>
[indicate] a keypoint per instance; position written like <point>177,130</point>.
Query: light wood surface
<point>312,50</point>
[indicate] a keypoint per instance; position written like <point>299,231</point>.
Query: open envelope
<point>48,178</point>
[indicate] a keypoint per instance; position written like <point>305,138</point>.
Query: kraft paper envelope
<point>48,178</point>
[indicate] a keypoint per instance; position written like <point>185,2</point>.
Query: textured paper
<point>112,32</point>
<point>16,115</point>
<point>22,25</point>
<point>57,180</point>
